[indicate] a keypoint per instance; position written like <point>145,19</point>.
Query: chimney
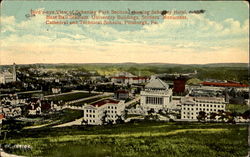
<point>14,72</point>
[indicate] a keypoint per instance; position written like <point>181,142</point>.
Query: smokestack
<point>14,72</point>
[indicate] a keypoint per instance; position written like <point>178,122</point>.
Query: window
<point>90,121</point>
<point>115,107</point>
<point>192,109</point>
<point>207,105</point>
<point>188,108</point>
<point>211,105</point>
<point>86,110</point>
<point>218,106</point>
<point>183,112</point>
<point>214,105</point>
<point>90,115</point>
<point>93,116</point>
<point>94,121</point>
<point>86,115</point>
<point>90,111</point>
<point>214,109</point>
<point>184,117</point>
<point>196,108</point>
<point>93,111</point>
<point>184,108</point>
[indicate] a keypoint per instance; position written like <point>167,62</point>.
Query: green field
<point>71,96</point>
<point>136,139</point>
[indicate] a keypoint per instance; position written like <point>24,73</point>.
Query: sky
<point>220,35</point>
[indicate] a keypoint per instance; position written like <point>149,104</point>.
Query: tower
<point>14,72</point>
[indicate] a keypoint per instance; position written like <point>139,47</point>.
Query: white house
<point>157,95</point>
<point>103,110</point>
<point>191,106</point>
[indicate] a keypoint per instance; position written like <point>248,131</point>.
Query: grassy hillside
<point>136,139</point>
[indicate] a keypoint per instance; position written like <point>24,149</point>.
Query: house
<point>157,95</point>
<point>191,106</point>
<point>106,110</point>
<point>56,90</point>
<point>121,94</point>
<point>11,111</point>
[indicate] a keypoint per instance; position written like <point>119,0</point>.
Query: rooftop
<point>157,84</point>
<point>104,101</point>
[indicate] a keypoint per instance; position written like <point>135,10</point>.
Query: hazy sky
<point>220,35</point>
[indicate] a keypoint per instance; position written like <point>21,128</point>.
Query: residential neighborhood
<point>111,99</point>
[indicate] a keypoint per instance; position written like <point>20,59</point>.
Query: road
<point>3,154</point>
<point>75,122</point>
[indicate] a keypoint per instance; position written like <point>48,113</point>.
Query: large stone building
<point>103,111</point>
<point>191,106</point>
<point>157,95</point>
<point>6,76</point>
<point>128,78</point>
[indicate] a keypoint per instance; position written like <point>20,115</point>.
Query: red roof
<point>140,78</point>
<point>224,84</point>
<point>120,77</point>
<point>134,78</point>
<point>1,116</point>
<point>105,101</point>
<point>121,91</point>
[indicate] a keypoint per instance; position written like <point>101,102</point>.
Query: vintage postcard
<point>124,78</point>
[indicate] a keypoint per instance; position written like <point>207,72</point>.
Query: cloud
<point>196,40</point>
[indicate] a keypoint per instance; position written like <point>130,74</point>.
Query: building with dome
<point>157,95</point>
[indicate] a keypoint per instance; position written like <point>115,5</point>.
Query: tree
<point>104,118</point>
<point>246,114</point>
<point>202,115</point>
<point>222,115</point>
<point>213,116</point>
<point>119,119</point>
<point>151,111</point>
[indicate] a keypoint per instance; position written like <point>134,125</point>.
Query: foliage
<point>237,108</point>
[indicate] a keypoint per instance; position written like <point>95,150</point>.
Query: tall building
<point>128,78</point>
<point>179,85</point>
<point>6,76</point>
<point>157,95</point>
